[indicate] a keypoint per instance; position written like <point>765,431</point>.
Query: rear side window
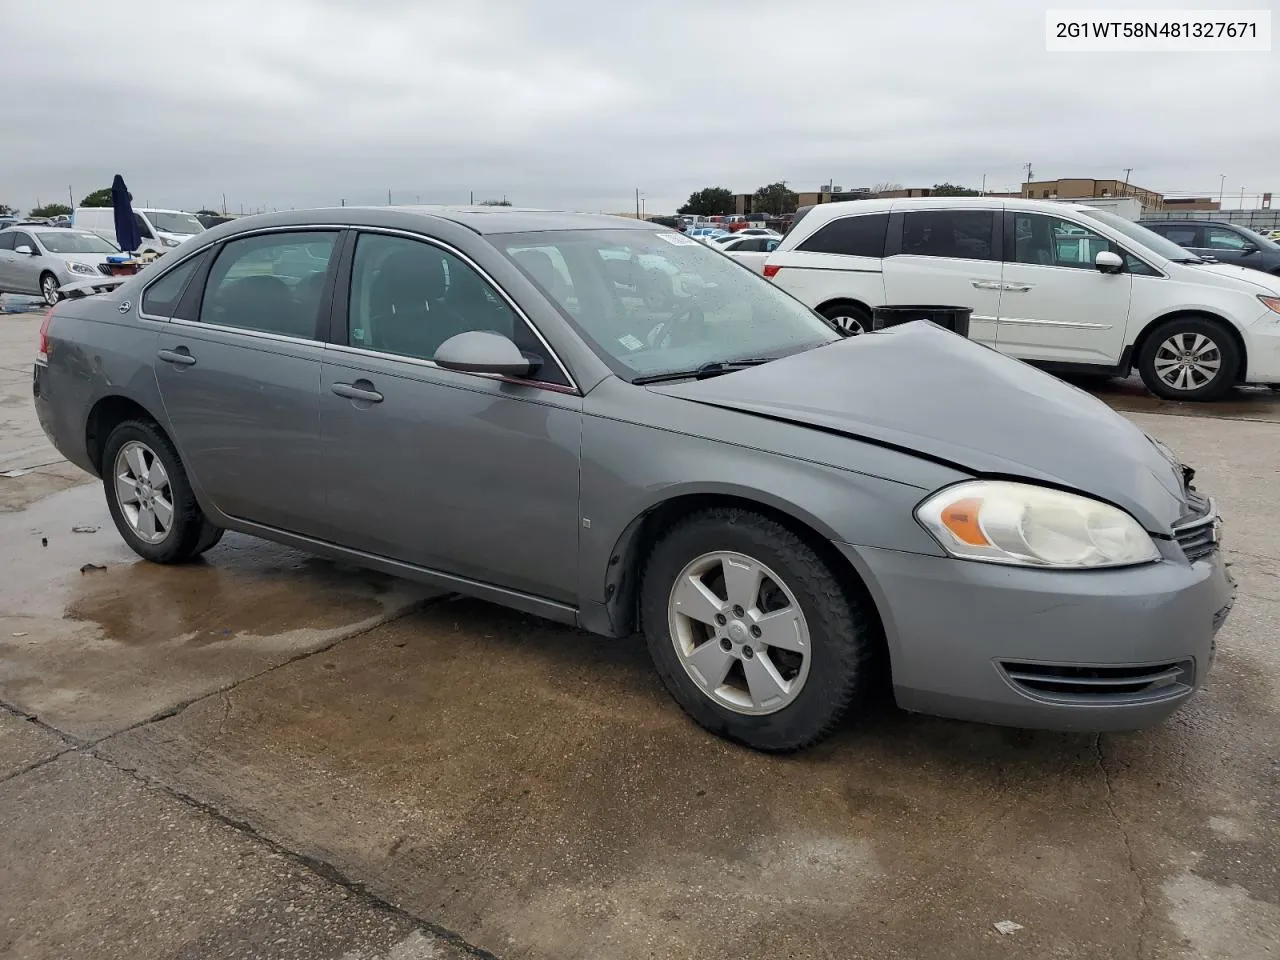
<point>162,297</point>
<point>1181,235</point>
<point>6,239</point>
<point>852,236</point>
<point>273,283</point>
<point>955,234</point>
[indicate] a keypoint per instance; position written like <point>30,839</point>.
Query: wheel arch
<point>843,302</point>
<point>627,559</point>
<point>105,415</point>
<point>1233,331</point>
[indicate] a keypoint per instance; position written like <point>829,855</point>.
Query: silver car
<point>38,260</point>
<point>483,401</point>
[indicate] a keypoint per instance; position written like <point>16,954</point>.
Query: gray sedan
<point>485,400</point>
<point>39,260</point>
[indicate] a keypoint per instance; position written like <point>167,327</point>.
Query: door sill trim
<point>514,599</point>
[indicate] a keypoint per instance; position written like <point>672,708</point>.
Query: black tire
<point>849,318</point>
<point>190,533</point>
<point>842,628</point>
<point>48,283</point>
<point>1224,344</point>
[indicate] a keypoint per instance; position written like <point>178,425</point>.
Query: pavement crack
<point>321,868</point>
<point>35,765</point>
<point>31,718</point>
<point>1144,904</point>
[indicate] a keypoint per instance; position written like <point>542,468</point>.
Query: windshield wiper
<point>712,369</point>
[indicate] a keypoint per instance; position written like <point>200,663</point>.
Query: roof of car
<point>482,220</point>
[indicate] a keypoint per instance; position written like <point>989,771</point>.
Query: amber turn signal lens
<point>961,518</point>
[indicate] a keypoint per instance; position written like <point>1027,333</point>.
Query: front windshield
<point>1140,234</point>
<point>66,241</point>
<point>181,223</point>
<point>657,302</point>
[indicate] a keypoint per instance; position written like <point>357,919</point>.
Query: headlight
<point>83,268</point>
<point>168,243</point>
<point>1026,525</point>
<point>1271,303</point>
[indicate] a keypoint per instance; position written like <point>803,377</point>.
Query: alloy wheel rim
<point>739,633</point>
<point>143,492</point>
<point>851,326</point>
<point>49,287</point>
<point>1188,361</point>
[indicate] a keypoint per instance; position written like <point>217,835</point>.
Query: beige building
<point>1080,189</point>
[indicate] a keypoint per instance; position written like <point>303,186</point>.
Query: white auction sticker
<point>1185,31</point>
<point>677,239</point>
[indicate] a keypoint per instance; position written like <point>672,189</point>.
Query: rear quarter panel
<point>94,352</point>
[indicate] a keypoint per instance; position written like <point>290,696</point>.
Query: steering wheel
<point>685,326</point>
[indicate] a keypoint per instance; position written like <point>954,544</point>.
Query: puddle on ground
<point>244,585</point>
<point>1130,396</point>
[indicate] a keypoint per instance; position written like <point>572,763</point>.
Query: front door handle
<point>182,356</point>
<point>360,390</point>
<point>986,284</point>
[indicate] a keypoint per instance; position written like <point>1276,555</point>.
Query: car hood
<point>929,392</point>
<point>1231,276</point>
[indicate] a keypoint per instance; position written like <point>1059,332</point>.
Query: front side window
<point>653,304</point>
<point>271,283</point>
<point>24,239</point>
<point>144,231</point>
<point>1219,238</point>
<point>851,236</point>
<point>1052,242</point>
<point>408,297</point>
<point>955,234</point>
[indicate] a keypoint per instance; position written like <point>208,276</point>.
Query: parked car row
<point>1221,242</point>
<point>160,230</point>
<point>495,404</point>
<point>1063,285</point>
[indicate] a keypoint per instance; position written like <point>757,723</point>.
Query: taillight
<point>770,270</point>
<point>42,355</point>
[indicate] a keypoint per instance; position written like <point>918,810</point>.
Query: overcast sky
<point>576,103</point>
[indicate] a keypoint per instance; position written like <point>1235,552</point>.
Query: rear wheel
<point>150,498</point>
<point>848,317</point>
<point>751,632</point>
<point>1189,358</point>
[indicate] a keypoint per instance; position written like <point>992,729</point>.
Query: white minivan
<point>161,230</point>
<point>1059,284</point>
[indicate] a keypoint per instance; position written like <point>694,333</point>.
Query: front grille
<point>1197,532</point>
<point>104,269</point>
<point>1082,684</point>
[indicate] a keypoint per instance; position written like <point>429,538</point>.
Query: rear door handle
<point>353,392</point>
<point>182,356</point>
<point>986,284</point>
<point>1017,287</point>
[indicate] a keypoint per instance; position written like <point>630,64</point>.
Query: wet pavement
<point>265,754</point>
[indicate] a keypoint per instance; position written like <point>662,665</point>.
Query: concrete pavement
<point>268,755</point>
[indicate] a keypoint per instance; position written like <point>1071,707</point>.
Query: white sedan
<point>37,260</point>
<point>751,249</point>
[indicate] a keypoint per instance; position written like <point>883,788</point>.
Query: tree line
<point>777,199</point>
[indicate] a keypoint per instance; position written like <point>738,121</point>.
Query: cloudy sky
<point>577,103</point>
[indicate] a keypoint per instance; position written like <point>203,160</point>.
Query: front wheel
<point>150,498</point>
<point>1189,358</point>
<point>49,289</point>
<point>751,632</point>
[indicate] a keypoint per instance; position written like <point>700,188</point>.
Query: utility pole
<point>1125,189</point>
<point>983,191</point>
<point>342,202</point>
<point>473,198</point>
<point>71,197</point>
<point>1241,207</point>
<point>388,196</point>
<point>637,203</point>
<point>224,204</point>
<point>1028,166</point>
<point>1222,186</point>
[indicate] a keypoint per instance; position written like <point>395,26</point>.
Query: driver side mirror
<point>1108,262</point>
<point>482,351</point>
<point>24,249</point>
<point>1248,248</point>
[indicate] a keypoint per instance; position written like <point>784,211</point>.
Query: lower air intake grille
<point>1078,684</point>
